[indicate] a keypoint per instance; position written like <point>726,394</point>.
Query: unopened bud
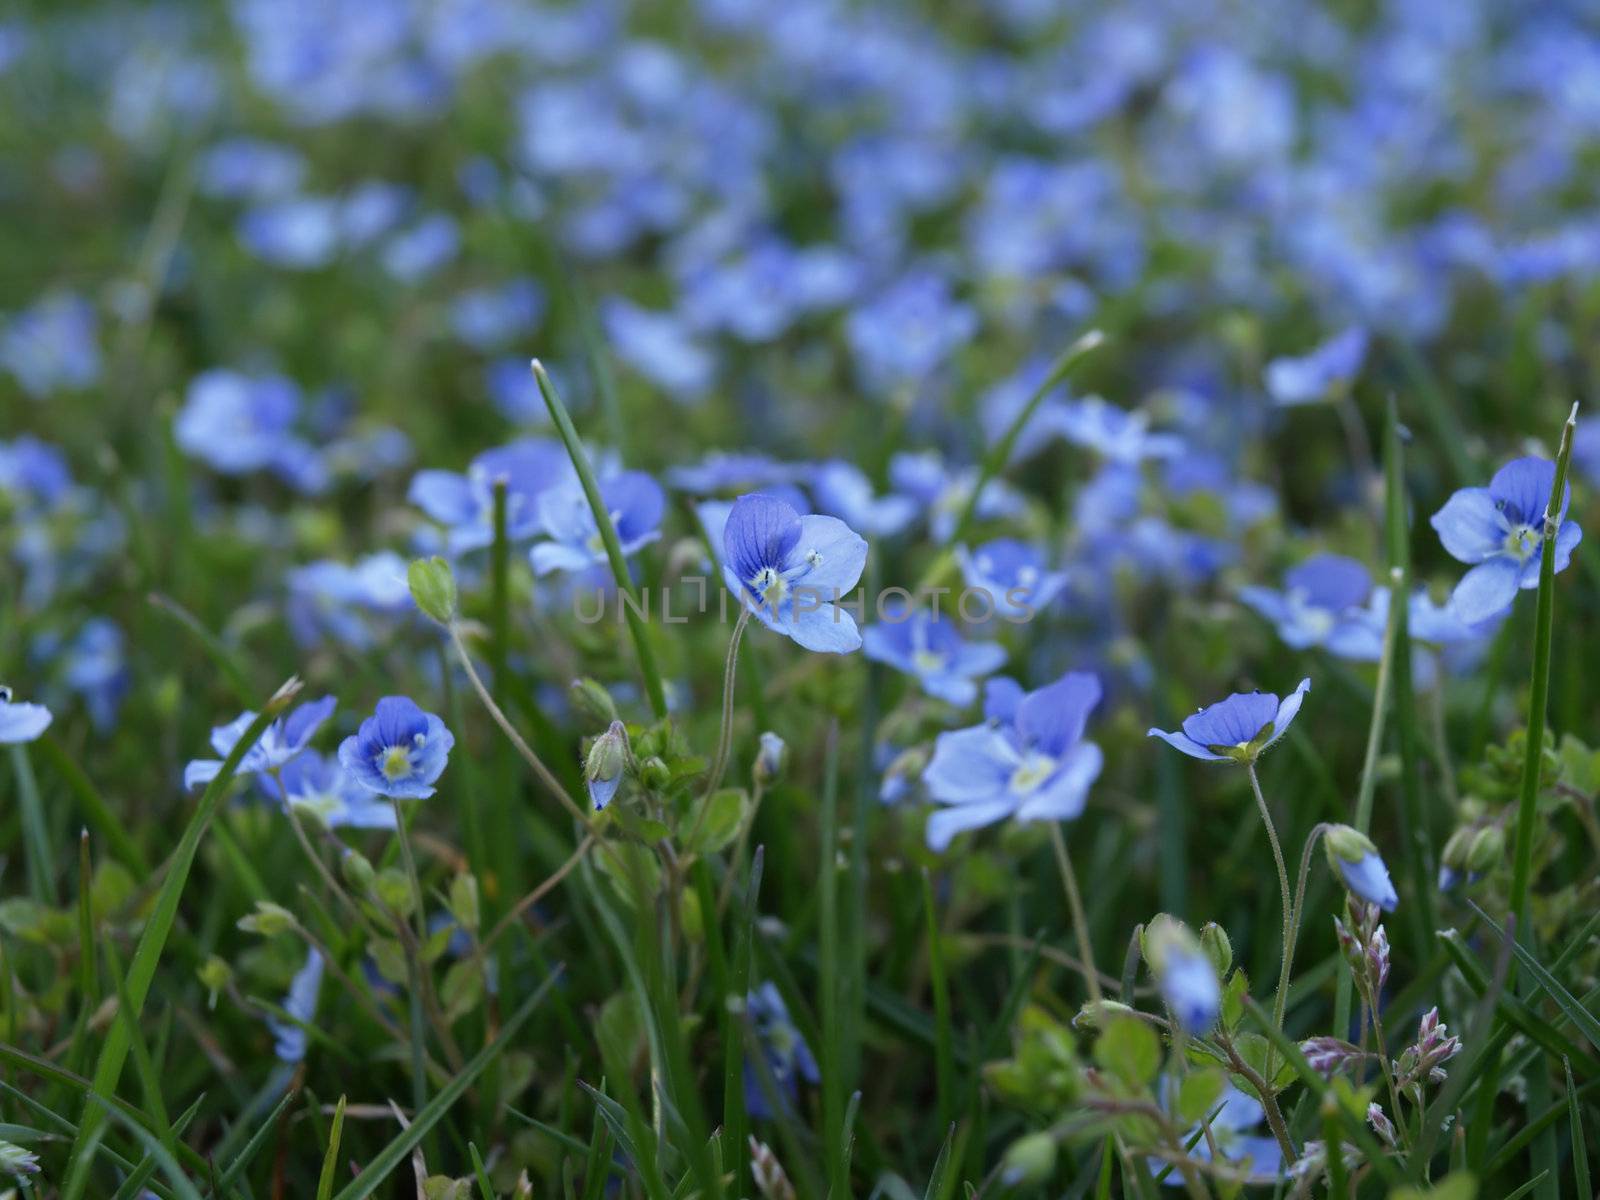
<point>433,588</point>
<point>592,702</point>
<point>268,919</point>
<point>1487,850</point>
<point>1214,941</point>
<point>357,870</point>
<point>771,759</point>
<point>608,759</point>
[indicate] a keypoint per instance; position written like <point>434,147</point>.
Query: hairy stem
<point>1080,920</point>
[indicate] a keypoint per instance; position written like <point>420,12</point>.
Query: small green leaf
<point>462,989</point>
<point>1130,1050</point>
<point>1198,1094</point>
<point>716,821</point>
<point>1459,1186</point>
<point>1238,987</point>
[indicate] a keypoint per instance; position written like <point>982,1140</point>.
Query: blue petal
<point>1471,527</point>
<point>1523,488</point>
<point>22,722</point>
<point>1180,741</point>
<point>828,630</point>
<point>1063,797</point>
<point>1486,591</point>
<point>1235,721</point>
<point>761,532</point>
<point>1287,711</point>
<point>947,822</point>
<point>1053,717</point>
<point>834,554</point>
<point>444,496</point>
<point>969,765</point>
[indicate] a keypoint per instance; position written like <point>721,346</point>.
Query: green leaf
<point>1130,1050</point>
<point>330,1160</point>
<point>1198,1094</point>
<point>717,820</point>
<point>1233,994</point>
<point>1459,1186</point>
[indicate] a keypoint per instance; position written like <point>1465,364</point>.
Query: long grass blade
<point>330,1160</point>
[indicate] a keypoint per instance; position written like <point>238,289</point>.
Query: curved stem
<point>539,892</point>
<point>1269,1099</point>
<point>1300,898</point>
<point>1281,999</point>
<point>1080,921</point>
<point>719,765</point>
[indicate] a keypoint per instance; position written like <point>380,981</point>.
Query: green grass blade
<point>944,1070</point>
<point>941,1168</point>
<point>1539,691</point>
<point>828,999</point>
<point>1584,1020</point>
<point>485,1191</point>
<point>182,1186</point>
<point>252,1147</point>
<point>330,1160</point>
<point>216,649</point>
<point>399,1149</point>
<point>144,1065</point>
<point>158,926</point>
<point>735,1119</point>
<point>96,812</point>
<point>38,853</point>
<point>608,537</point>
<point>1580,1144</point>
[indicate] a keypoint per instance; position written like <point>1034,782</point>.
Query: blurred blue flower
<point>237,423</point>
<point>338,602</point>
<point>1013,575</point>
<point>943,492</point>
<point>417,253</point>
<point>907,332</point>
<point>784,1050</point>
<point>464,503</point>
<point>659,346</point>
<point>1189,987</point>
<point>244,168</point>
<point>488,318</point>
<point>1257,1157</point>
<point>96,668</point>
<point>721,471</point>
<point>789,570</point>
<point>1329,369</point>
<point>400,751</point>
<point>319,784</point>
<point>52,346</point>
<point>33,473</point>
<point>1499,530</point>
<point>1237,729</point>
<point>1320,605</point>
<point>282,741</point>
<point>843,490</point>
<point>301,233</point>
<point>930,649</point>
<point>635,503</point>
<point>20,722</point>
<point>1028,761</point>
<point>289,1037</point>
<point>1118,435</point>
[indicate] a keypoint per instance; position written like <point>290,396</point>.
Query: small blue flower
<point>249,169</point>
<point>300,232</point>
<point>660,347</point>
<point>1189,986</point>
<point>1257,1156</point>
<point>283,740</point>
<point>844,490</point>
<point>33,472</point>
<point>788,1057</point>
<point>903,335</point>
<point>318,784</point>
<point>400,751</point>
<point>1029,762</point>
<point>412,256</point>
<point>1328,369</point>
<point>488,318</point>
<point>1012,574</point>
<point>464,503</point>
<point>340,602</point>
<point>97,669</point>
<point>1499,530</point>
<point>1237,729</point>
<point>942,493</point>
<point>1120,436</point>
<point>52,346</point>
<point>237,423</point>
<point>721,471</point>
<point>634,502</point>
<point>790,570</point>
<point>1320,605</point>
<point>21,722</point>
<point>289,1037</point>
<point>924,645</point>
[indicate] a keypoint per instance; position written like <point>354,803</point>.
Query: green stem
<point>608,537</point>
<point>1539,692</point>
<point>719,765</point>
<point>1281,999</point>
<point>1080,920</point>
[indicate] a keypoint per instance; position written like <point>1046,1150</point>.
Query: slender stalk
<point>410,863</point>
<point>608,537</point>
<point>539,892</point>
<point>1300,896</point>
<point>1080,920</point>
<point>1283,888</point>
<point>1380,708</point>
<point>719,765</point>
<point>1539,692</point>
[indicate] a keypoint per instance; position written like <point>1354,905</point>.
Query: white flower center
<point>1031,773</point>
<point>1522,541</point>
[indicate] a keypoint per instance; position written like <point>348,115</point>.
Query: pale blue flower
<point>927,647</point>
<point>1237,729</point>
<point>790,570</point>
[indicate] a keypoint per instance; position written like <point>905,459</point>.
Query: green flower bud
<point>464,901</point>
<point>358,872</point>
<point>1487,849</point>
<point>1163,934</point>
<point>433,587</point>
<point>608,755</point>
<point>214,974</point>
<point>268,920</point>
<point>1029,1160</point>
<point>1456,848</point>
<point>1349,844</point>
<point>592,701</point>
<point>1095,1013</point>
<point>393,890</point>
<point>655,773</point>
<point>1214,941</point>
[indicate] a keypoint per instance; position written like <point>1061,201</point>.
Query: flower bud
<point>14,1160</point>
<point>771,759</point>
<point>464,901</point>
<point>608,759</point>
<point>433,588</point>
<point>1355,861</point>
<point>357,870</point>
<point>1487,849</point>
<point>1214,941</point>
<point>1184,972</point>
<point>1028,1160</point>
<point>268,919</point>
<point>592,701</point>
<point>1454,854</point>
<point>1095,1013</point>
<point>214,975</point>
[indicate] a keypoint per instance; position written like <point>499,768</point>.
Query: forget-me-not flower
<point>789,570</point>
<point>1499,531</point>
<point>21,722</point>
<point>464,503</point>
<point>400,751</point>
<point>844,490</point>
<point>289,1037</point>
<point>318,784</point>
<point>1028,761</point>
<point>929,648</point>
<point>285,738</point>
<point>1237,729</point>
<point>943,492</point>
<point>634,502</point>
<point>1320,605</point>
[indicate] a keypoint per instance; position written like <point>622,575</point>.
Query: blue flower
<point>1499,530</point>
<point>844,490</point>
<point>33,472</point>
<point>487,318</point>
<point>1118,435</point>
<point>289,1037</point>
<point>285,738</point>
<point>1237,729</point>
<point>784,1050</point>
<point>633,500</point>
<point>1320,605</point>
<point>1029,762</point>
<point>721,471</point>
<point>52,346</point>
<point>790,571</point>
<point>1012,574</point>
<point>300,233</point>
<point>464,503</point>
<point>906,333</point>
<point>1328,369</point>
<point>924,645</point>
<point>21,722</point>
<point>412,256</point>
<point>97,669</point>
<point>400,751</point>
<point>1356,861</point>
<point>249,169</point>
<point>1258,1157</point>
<point>1189,986</point>
<point>318,784</point>
<point>659,346</point>
<point>943,492</point>
<point>337,602</point>
<point>238,423</point>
